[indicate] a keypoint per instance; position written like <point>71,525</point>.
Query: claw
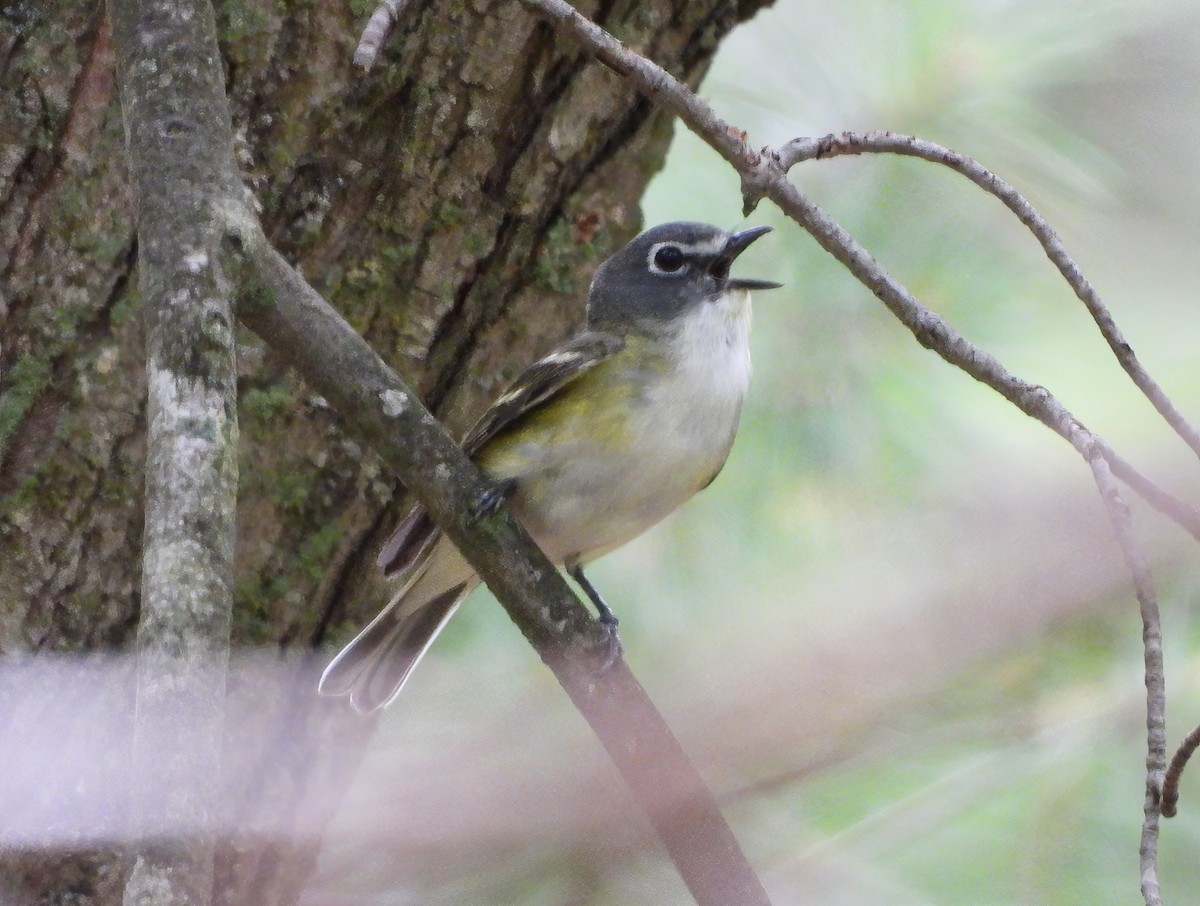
<point>489,501</point>
<point>609,649</point>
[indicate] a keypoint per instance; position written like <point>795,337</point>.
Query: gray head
<point>667,270</point>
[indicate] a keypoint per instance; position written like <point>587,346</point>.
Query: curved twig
<point>1170,784</point>
<point>802,149</point>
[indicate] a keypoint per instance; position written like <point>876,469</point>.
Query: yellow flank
<point>594,413</point>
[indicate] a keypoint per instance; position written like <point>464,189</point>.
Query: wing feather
<point>541,381</point>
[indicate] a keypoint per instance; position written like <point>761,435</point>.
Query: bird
<point>591,445</point>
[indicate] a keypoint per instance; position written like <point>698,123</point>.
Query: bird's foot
<point>609,648</point>
<point>489,501</point>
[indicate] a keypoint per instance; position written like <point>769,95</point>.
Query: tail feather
<point>388,666</point>
<point>373,667</point>
<point>343,672</point>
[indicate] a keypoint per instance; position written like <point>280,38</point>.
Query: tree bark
<point>180,154</point>
<point>451,203</point>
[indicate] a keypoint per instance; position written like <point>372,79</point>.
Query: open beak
<point>738,243</point>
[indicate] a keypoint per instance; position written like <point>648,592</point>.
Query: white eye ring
<point>663,268</point>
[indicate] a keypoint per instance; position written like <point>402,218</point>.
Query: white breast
<point>711,352</point>
<point>681,429</point>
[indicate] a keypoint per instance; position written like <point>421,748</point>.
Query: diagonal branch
<point>281,307</point>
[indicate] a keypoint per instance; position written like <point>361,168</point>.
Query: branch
<point>802,149</point>
<point>179,141</point>
<point>380,409</point>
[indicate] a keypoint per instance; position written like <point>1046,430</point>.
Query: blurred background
<point>895,634</point>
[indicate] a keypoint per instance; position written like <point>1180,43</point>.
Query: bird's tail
<point>373,667</point>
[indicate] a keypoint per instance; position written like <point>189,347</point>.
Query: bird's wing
<point>541,381</point>
<point>538,383</point>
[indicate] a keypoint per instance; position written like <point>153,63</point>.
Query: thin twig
<point>802,149</point>
<point>377,31</point>
<point>1156,693</point>
<point>1170,784</point>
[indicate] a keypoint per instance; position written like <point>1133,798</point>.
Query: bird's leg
<point>607,619</point>
<point>489,501</point>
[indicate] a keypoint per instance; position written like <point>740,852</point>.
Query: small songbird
<point>591,445</point>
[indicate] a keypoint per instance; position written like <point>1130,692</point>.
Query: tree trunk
<point>451,203</point>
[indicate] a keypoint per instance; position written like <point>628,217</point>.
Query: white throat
<point>711,347</point>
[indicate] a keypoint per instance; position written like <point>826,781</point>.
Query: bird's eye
<point>668,259</point>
